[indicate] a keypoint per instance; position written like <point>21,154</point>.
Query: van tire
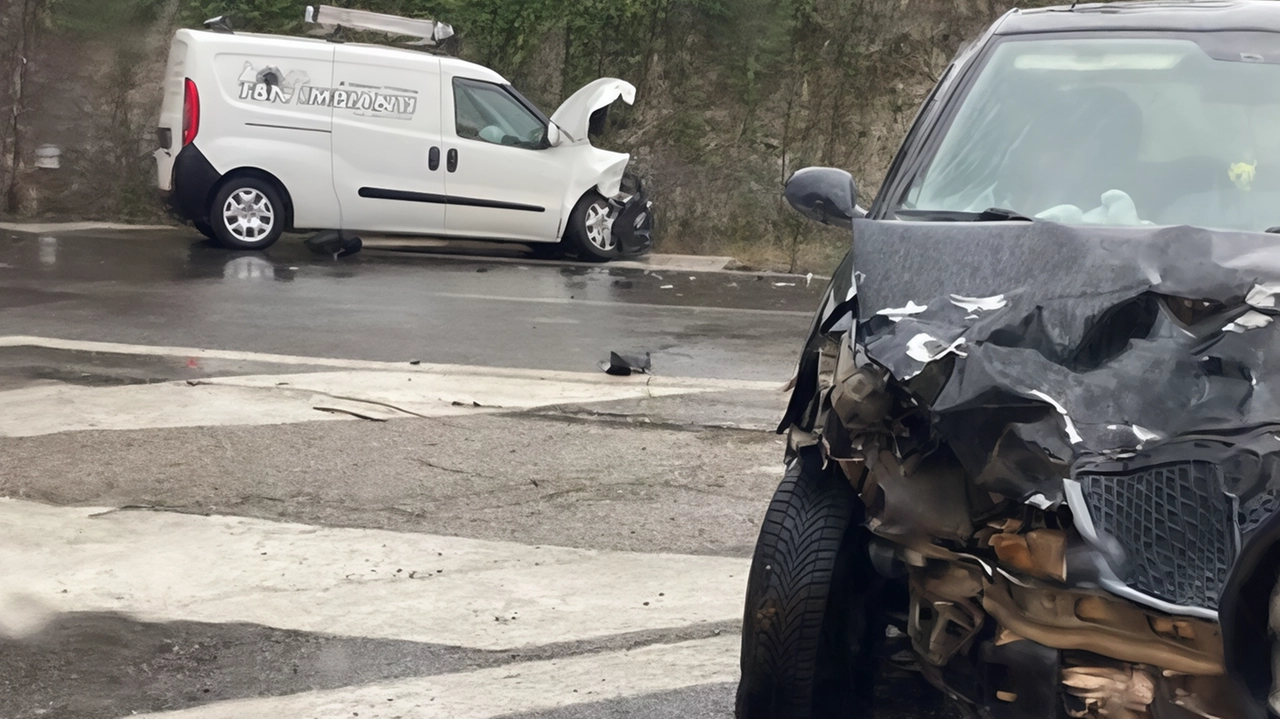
<point>253,220</point>
<point>589,232</point>
<point>803,590</point>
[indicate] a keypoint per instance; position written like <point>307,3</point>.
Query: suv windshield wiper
<point>992,214</point>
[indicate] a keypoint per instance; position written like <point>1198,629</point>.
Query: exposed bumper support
<point>633,226</point>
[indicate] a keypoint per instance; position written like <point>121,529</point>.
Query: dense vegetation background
<point>733,95</point>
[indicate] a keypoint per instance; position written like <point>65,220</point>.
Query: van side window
<point>487,112</point>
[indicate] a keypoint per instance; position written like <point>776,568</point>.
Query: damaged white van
<point>260,134</point>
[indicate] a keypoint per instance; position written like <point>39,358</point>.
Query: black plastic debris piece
<point>622,365</point>
<point>334,243</point>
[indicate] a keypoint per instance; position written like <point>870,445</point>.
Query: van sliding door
<point>386,140</point>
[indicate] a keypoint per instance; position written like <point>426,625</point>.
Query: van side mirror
<point>824,194</point>
<point>553,135</point>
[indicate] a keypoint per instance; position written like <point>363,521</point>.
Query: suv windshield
<point>1116,131</point>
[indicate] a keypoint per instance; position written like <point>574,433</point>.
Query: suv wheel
<point>247,214</point>
<point>811,630</point>
<point>590,229</point>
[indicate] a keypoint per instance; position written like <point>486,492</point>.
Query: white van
<point>260,134</point>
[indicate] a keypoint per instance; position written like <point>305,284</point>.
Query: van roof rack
<point>429,32</point>
<point>222,23</point>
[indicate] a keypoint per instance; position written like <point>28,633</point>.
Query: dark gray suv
<point>1034,440</point>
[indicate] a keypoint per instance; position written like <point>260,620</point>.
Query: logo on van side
<point>262,92</point>
<point>271,85</point>
<point>357,100</point>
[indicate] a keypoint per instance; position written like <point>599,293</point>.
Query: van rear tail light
<point>190,113</point>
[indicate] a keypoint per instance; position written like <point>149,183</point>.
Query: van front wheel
<point>247,214</point>
<point>590,229</point>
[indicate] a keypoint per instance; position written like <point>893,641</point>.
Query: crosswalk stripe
<point>289,398</point>
<point>455,591</point>
<point>54,343</point>
<point>497,691</point>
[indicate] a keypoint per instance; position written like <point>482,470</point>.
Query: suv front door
<point>502,179</point>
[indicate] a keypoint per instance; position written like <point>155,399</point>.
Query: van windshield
<point>1116,131</point>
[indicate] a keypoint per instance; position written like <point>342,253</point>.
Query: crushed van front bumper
<point>633,224</point>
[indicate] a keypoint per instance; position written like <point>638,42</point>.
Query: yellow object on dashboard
<point>1242,173</point>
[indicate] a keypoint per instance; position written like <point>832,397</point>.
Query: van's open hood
<point>574,116</point>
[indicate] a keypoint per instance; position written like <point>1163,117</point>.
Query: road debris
<point>626,365</point>
<point>352,412</point>
<point>334,243</point>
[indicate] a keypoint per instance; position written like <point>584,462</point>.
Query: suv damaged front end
<point>1066,454</point>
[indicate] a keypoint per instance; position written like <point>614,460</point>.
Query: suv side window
<point>487,112</point>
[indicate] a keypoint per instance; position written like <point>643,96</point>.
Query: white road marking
<point>288,398</point>
<point>620,305</point>
<point>357,582</point>
<point>553,321</point>
<point>523,687</point>
<point>465,370</point>
<point>426,389</point>
<point>47,409</point>
<point>45,228</point>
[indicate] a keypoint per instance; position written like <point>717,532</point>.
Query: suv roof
<point>1170,15</point>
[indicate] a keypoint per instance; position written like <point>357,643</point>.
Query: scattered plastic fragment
<point>334,243</point>
<point>1263,295</point>
<point>927,348</point>
<point>626,365</point>
<point>897,313</point>
<point>975,304</point>
<point>1248,321</point>
<point>1072,434</point>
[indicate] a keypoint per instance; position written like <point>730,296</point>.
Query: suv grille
<point>1176,525</point>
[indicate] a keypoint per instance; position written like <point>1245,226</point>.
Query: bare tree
<point>25,27</point>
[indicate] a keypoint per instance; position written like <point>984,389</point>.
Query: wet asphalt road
<point>167,288</point>
<point>680,474</point>
<point>569,477</point>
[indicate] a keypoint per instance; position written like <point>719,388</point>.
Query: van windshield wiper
<point>992,214</point>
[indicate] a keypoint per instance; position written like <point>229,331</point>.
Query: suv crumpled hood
<point>1059,339</point>
<point>573,117</point>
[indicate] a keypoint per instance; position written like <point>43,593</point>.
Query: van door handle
<point>453,161</point>
<point>433,159</point>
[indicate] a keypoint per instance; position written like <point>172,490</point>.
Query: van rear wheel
<point>247,214</point>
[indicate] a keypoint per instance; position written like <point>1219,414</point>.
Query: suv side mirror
<point>553,135</point>
<point>824,194</point>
